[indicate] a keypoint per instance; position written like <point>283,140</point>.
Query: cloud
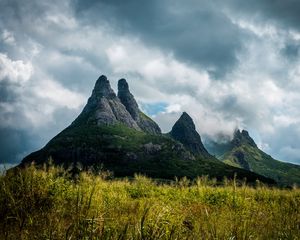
<point>282,13</point>
<point>196,32</point>
<point>14,71</point>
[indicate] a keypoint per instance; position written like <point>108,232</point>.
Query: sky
<point>229,64</point>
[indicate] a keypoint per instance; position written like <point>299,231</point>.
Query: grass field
<point>48,204</point>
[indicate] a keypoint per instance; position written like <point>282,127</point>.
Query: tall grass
<point>50,204</point>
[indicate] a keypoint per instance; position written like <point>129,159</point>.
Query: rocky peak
<point>123,85</point>
<point>184,131</point>
<point>128,100</point>
<point>187,121</point>
<point>242,137</point>
<point>103,89</point>
<point>105,108</point>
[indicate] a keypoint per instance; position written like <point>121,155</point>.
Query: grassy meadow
<point>49,204</point>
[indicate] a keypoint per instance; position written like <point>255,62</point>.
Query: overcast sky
<point>227,63</point>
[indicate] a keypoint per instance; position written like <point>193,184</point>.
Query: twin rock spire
<point>105,107</point>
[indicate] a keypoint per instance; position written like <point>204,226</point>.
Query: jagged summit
<point>123,85</point>
<point>128,100</point>
<point>104,107</point>
<point>242,137</point>
<point>186,119</point>
<point>184,131</point>
<point>102,88</point>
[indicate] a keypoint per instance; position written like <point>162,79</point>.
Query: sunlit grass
<point>49,204</point>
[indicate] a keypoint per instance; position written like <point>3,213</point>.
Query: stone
<point>128,100</point>
<point>151,148</point>
<point>104,107</point>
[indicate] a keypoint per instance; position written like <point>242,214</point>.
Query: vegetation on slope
<point>49,204</point>
<point>126,151</point>
<point>262,163</point>
<point>242,152</point>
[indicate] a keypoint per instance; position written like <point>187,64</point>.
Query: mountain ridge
<point>112,132</point>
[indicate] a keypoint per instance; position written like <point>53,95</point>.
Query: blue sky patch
<point>153,108</point>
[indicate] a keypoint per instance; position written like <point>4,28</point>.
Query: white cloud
<point>173,108</point>
<point>15,71</point>
<point>58,95</point>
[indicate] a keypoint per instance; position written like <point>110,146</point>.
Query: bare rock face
<point>127,99</point>
<point>151,148</point>
<point>143,121</point>
<point>184,131</point>
<point>104,107</point>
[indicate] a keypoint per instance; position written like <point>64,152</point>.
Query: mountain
<point>184,131</point>
<point>112,133</point>
<point>243,152</point>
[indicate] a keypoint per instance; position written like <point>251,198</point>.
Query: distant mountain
<point>113,133</point>
<point>243,152</point>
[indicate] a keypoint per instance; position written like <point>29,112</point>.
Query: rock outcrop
<point>184,131</point>
<point>143,121</point>
<point>104,107</point>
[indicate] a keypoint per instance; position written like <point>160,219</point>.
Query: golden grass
<point>48,204</point>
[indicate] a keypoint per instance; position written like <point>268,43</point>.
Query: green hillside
<point>262,163</point>
<point>242,152</point>
<point>126,151</point>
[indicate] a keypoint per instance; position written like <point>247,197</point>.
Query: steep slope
<point>143,121</point>
<point>242,152</point>
<point>107,135</point>
<point>184,131</point>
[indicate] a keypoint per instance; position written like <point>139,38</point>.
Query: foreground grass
<point>40,204</point>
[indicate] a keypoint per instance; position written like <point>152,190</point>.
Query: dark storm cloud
<point>14,144</point>
<point>6,94</point>
<point>291,50</point>
<point>18,142</point>
<point>198,33</point>
<point>282,12</point>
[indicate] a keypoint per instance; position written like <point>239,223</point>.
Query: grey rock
<point>151,148</point>
<point>104,107</point>
<point>128,100</point>
<point>147,124</point>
